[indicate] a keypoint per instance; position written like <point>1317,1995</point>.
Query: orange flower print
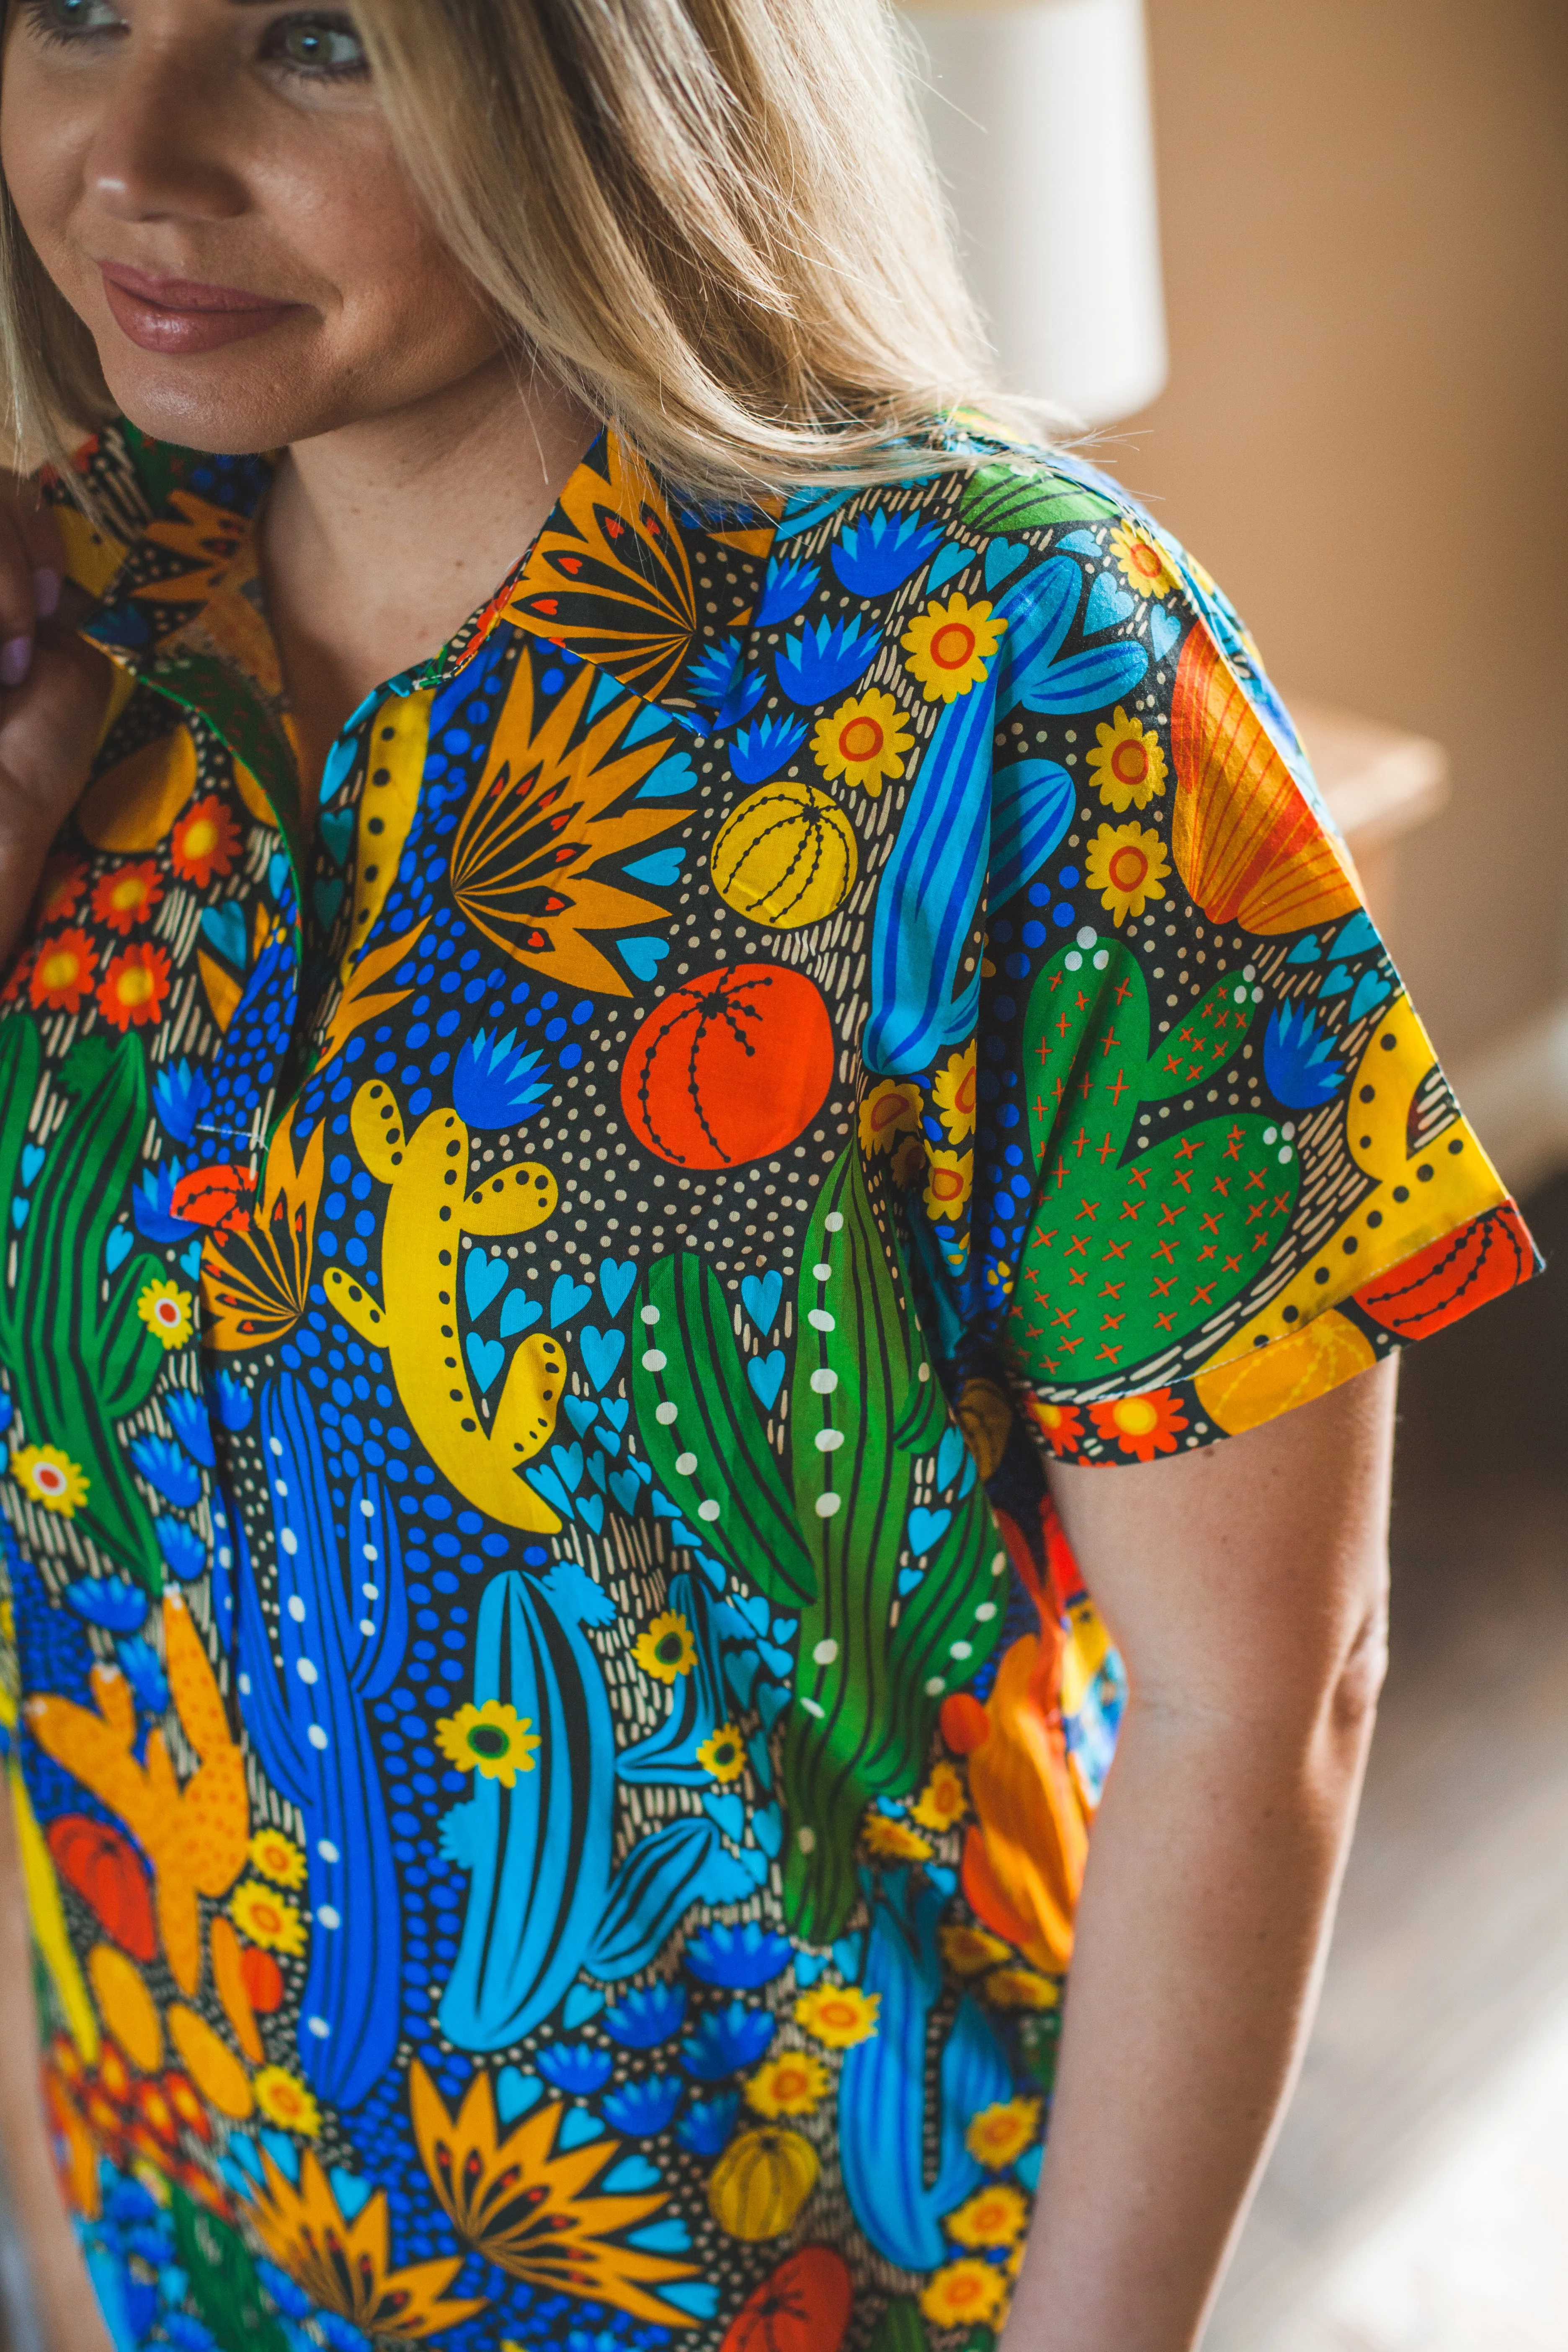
<point>65,879</point>
<point>63,973</point>
<point>135,987</point>
<point>1142,1425</point>
<point>1061,1425</point>
<point>206,841</point>
<point>128,896</point>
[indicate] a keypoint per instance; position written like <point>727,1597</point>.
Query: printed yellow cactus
<point>416,1320</point>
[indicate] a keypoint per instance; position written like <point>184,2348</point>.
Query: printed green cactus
<point>78,1356</point>
<point>1130,1253</point>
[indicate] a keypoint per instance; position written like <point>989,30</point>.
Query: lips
<point>183,315</point>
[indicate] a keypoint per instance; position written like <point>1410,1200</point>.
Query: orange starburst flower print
<point>1061,1425</point>
<point>1141,1425</point>
<point>134,988</point>
<point>63,972</point>
<point>206,841</point>
<point>127,896</point>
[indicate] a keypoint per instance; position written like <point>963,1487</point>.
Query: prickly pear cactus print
<point>553,1726</point>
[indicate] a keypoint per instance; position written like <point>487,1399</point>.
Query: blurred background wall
<point>1365,213</point>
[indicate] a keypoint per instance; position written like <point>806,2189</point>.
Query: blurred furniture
<point>1380,783</point>
<point>1040,117</point>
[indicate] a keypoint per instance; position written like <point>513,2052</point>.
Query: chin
<point>229,402</point>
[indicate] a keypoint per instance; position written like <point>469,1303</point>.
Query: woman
<point>592,1162</point>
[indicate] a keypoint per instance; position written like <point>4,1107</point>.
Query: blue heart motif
<point>663,1508</point>
<point>32,1161</point>
<point>581,1412</point>
<point>225,926</point>
<point>640,1470</point>
<point>1306,951</point>
<point>1106,604</point>
<point>19,1209</point>
<point>945,562</point>
<point>1370,989</point>
<point>754,1610</point>
<point>566,1298</point>
<point>1082,542</point>
<point>729,1811</point>
<point>328,896</point>
<point>582,2003</point>
<point>596,1464</point>
<point>568,1461</point>
<point>927,1528</point>
<point>760,1296</point>
<point>616,1412</point>
<point>615,1280</point>
<point>908,1579</point>
<point>767,1827</point>
<point>1164,630</point>
<point>483,1278</point>
<point>765,1373</point>
<point>1336,982</point>
<point>516,2092</point>
<point>336,828</point>
<point>626,1490</point>
<point>518,1313</point>
<point>642,957</point>
<point>191,1259</point>
<point>486,1358</point>
<point>116,1247</point>
<point>601,1353</point>
<point>1003,558</point>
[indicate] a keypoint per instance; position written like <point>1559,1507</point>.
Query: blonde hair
<point>715,221</point>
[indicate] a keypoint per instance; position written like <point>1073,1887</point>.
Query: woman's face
<point>212,185</point>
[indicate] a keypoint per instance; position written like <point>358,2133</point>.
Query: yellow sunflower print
<point>493,1740</point>
<point>166,1310</point>
<point>891,1109</point>
<point>949,1178</point>
<point>793,2083</point>
<point>1127,764</point>
<point>999,2134</point>
<point>1128,867</point>
<point>665,1649</point>
<point>893,1841</point>
<point>268,1919</point>
<point>943,1800</point>
<point>838,2016</point>
<point>991,2217</point>
<point>50,1477</point>
<point>724,1754</point>
<point>863,742</point>
<point>950,646</point>
<point>1139,562</point>
<point>1022,1989</point>
<point>283,2099</point>
<point>963,2291</point>
<point>278,1858</point>
<point>969,1951</point>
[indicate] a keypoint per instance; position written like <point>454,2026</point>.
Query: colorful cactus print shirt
<point>553,1727</point>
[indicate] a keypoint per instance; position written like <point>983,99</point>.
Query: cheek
<point>45,129</point>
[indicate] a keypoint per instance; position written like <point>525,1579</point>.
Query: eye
<point>70,20</point>
<point>322,47</point>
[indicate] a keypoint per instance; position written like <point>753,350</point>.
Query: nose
<point>163,147</point>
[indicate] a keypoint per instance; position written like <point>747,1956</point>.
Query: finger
<point>40,534</point>
<point>18,601</point>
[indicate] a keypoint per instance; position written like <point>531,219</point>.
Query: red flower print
<point>128,896</point>
<point>1143,1426</point>
<point>1061,1425</point>
<point>215,1197</point>
<point>63,972</point>
<point>206,841</point>
<point>135,987</point>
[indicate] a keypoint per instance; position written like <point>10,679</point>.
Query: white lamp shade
<point>1040,119</point>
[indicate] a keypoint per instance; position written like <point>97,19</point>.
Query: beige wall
<point>1365,435</point>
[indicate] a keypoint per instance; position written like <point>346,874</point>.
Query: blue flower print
<point>882,551</point>
<point>233,1401</point>
<point>640,2109</point>
<point>740,1957</point>
<point>180,1094</point>
<point>192,1427</point>
<point>760,751</point>
<point>111,1601</point>
<point>720,681</point>
<point>166,1467</point>
<point>706,2126</point>
<point>184,1554</point>
<point>648,2016</point>
<point>575,2068</point>
<point>1299,1058</point>
<point>725,2041</point>
<point>139,1665</point>
<point>826,658</point>
<point>785,590</point>
<point>495,1082</point>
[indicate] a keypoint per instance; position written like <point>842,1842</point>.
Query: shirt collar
<point>653,590</point>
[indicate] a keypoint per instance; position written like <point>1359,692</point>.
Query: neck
<point>380,539</point>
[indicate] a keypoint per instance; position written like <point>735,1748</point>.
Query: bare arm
<point>1245,1586</point>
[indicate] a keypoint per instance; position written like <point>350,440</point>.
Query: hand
<point>54,688</point>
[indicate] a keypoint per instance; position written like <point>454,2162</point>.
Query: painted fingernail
<point>16,655</point>
<point>45,592</point>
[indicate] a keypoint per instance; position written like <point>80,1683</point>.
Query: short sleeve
<point>1212,1168</point>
